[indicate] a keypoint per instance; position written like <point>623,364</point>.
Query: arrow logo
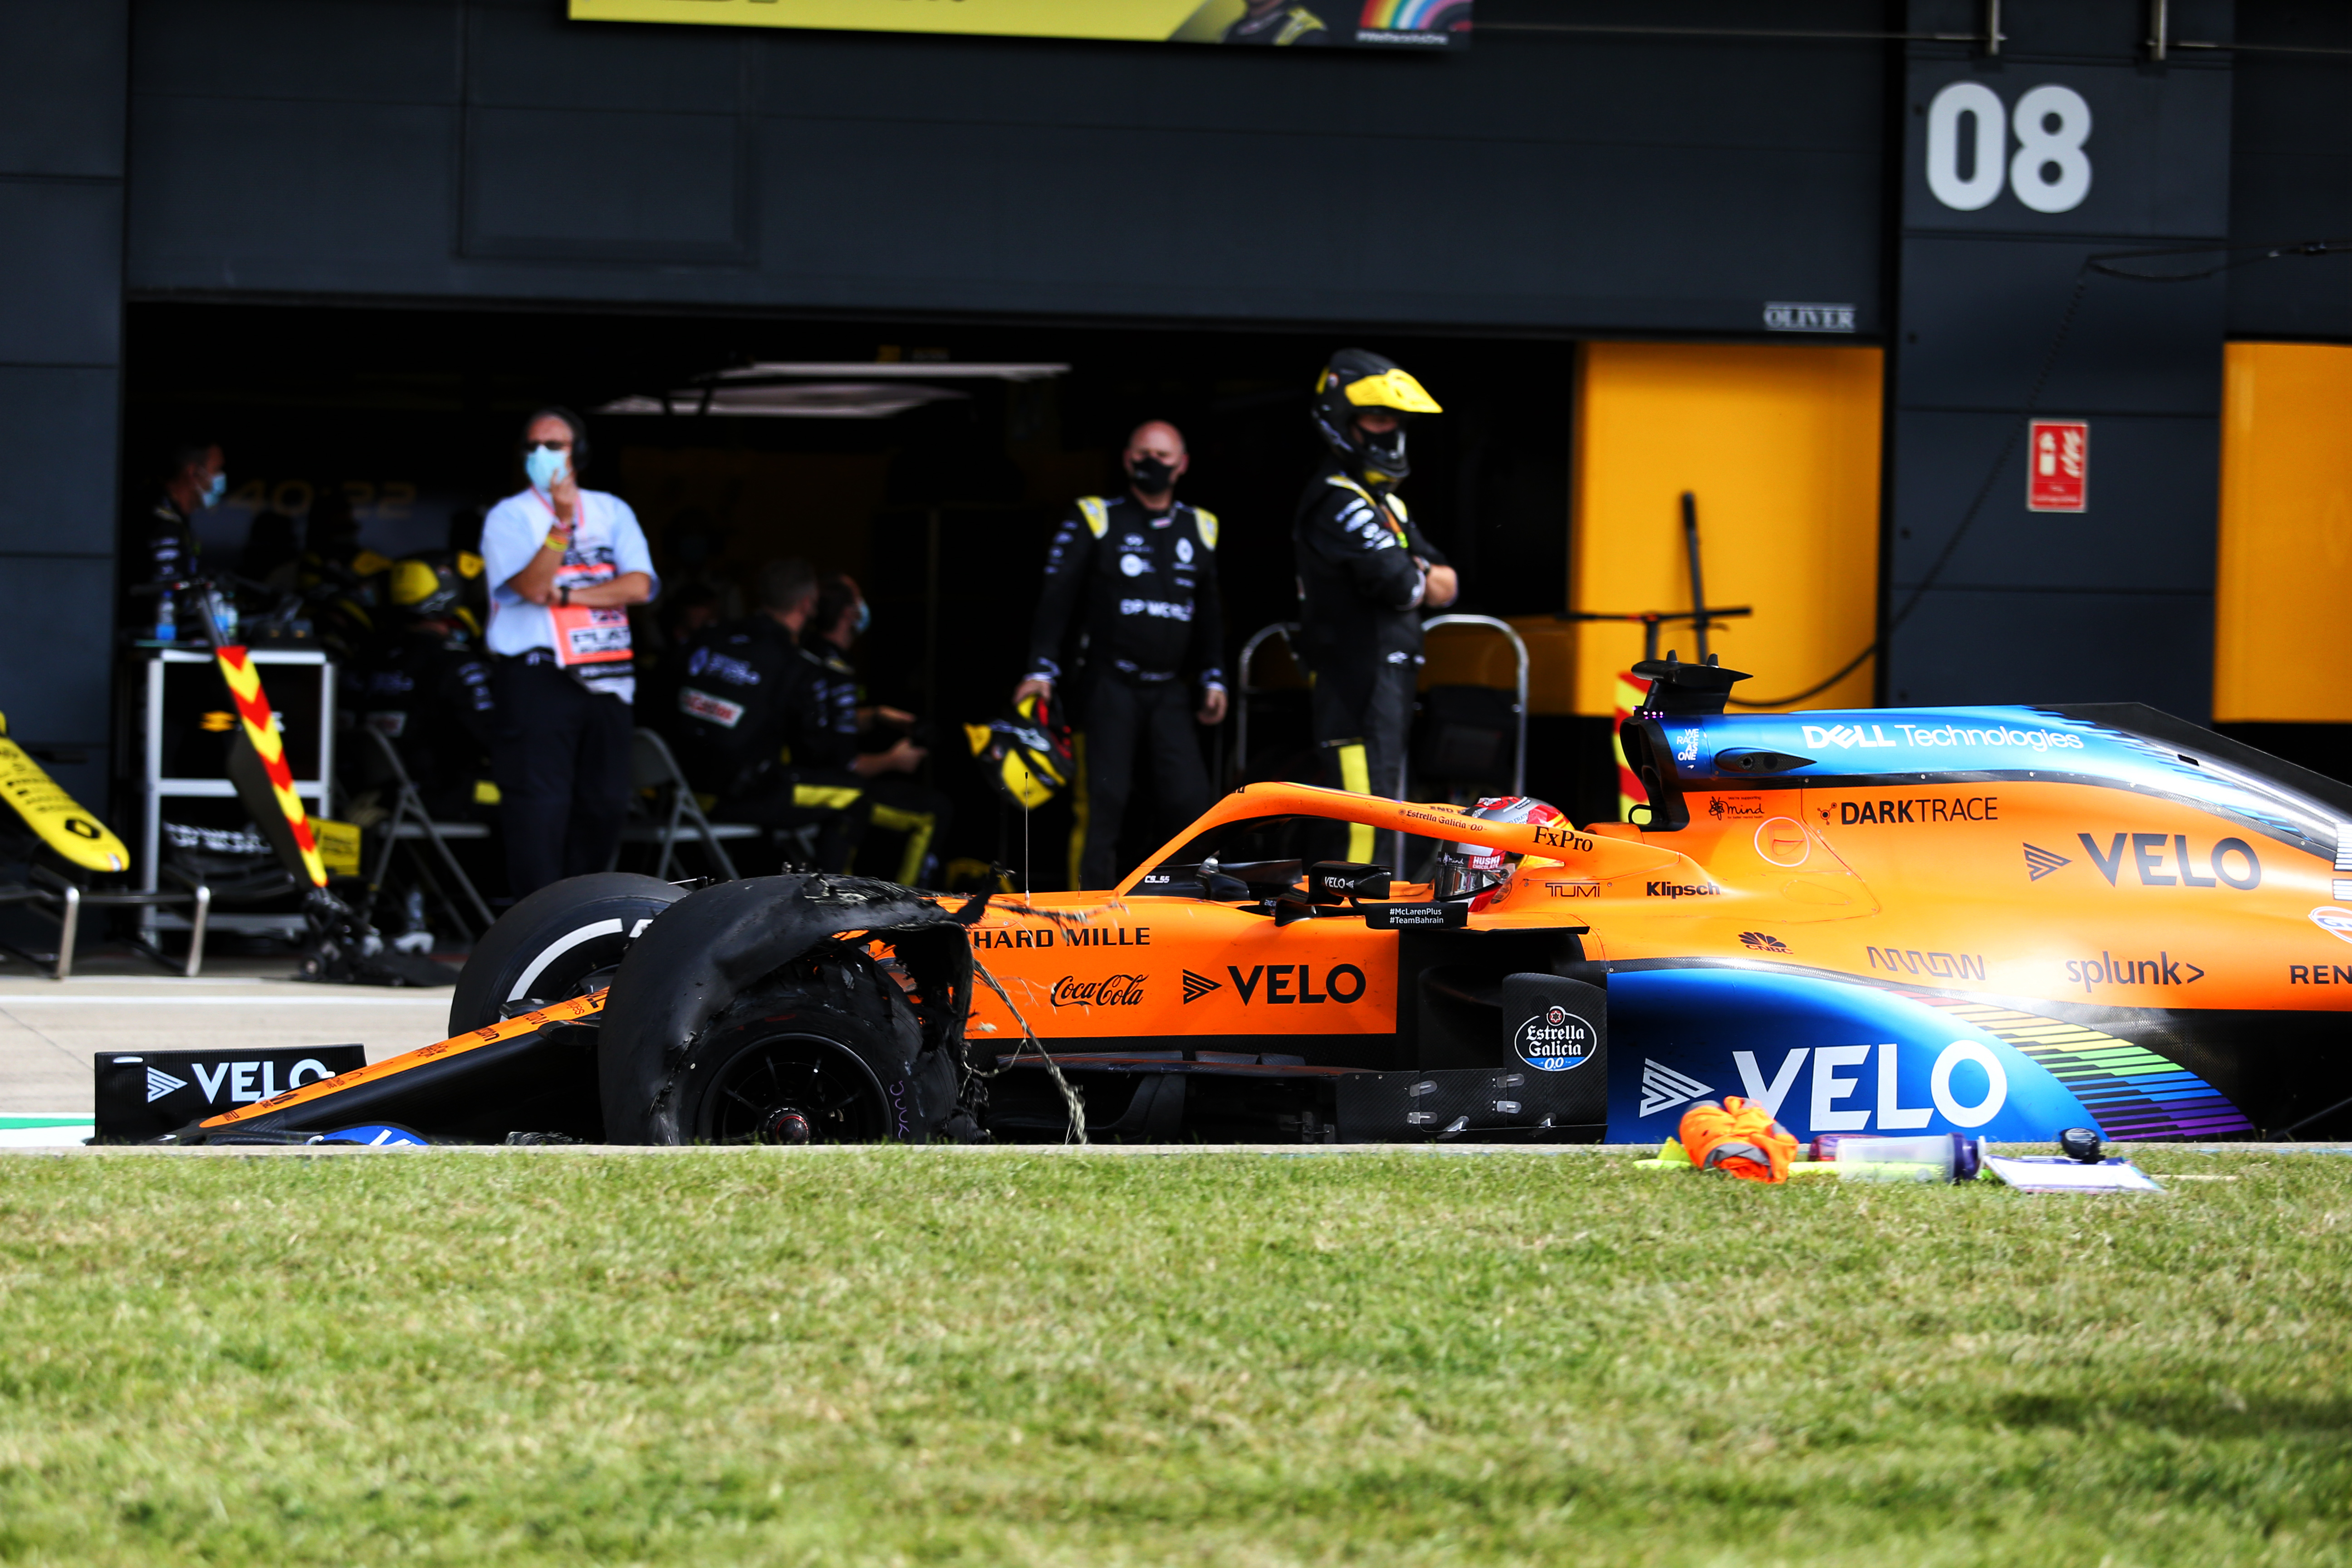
<point>2041,862</point>
<point>1662,1087</point>
<point>161,1083</point>
<point>1199,985</point>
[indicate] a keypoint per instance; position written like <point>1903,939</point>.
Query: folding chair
<point>1470,739</point>
<point>678,815</point>
<point>53,898</point>
<point>1289,682</point>
<point>410,823</point>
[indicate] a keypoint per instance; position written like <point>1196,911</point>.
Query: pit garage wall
<point>475,150</point>
<point>2115,603</point>
<point>62,83</point>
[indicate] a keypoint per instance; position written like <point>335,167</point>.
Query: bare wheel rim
<point>791,1089</point>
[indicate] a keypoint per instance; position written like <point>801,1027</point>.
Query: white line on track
<point>8,1003</point>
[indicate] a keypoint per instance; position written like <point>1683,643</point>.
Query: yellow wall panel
<point>2286,534</point>
<point>1781,446</point>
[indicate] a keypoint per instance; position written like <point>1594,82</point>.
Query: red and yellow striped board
<point>253,711</point>
<point>1632,692</point>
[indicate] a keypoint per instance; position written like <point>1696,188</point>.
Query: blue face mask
<point>864,618</point>
<point>545,465</point>
<point>211,495</point>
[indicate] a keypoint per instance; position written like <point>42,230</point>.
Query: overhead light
<point>794,400</point>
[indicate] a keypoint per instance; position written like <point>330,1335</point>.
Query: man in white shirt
<point>567,563</point>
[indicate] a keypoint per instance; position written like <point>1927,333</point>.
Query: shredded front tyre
<point>817,1060</point>
<point>759,1011</point>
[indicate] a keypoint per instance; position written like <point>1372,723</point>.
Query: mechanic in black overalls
<point>889,748</point>
<point>427,689</point>
<point>167,545</point>
<point>764,729</point>
<point>1133,578</point>
<point>1365,576</point>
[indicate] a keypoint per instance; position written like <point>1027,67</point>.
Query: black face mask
<point>1152,475</point>
<point>1384,450</point>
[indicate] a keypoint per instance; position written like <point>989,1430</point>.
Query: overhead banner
<point>1291,24</point>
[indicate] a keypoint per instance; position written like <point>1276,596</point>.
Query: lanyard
<point>579,509</point>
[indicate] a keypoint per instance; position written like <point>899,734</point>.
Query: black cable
<point>2099,266</point>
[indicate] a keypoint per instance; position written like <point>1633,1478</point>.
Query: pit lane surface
<point>49,1032</point>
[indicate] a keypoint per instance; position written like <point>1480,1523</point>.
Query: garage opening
<point>937,490</point>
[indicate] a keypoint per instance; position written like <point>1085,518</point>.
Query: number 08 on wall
<point>2050,173</point>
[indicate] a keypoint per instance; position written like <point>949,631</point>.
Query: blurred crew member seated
<point>683,614</point>
<point>887,751</point>
<point>1277,22</point>
<point>272,553</point>
<point>1365,576</point>
<point>428,690</point>
<point>464,551</point>
<point>761,728</point>
<point>193,481</point>
<point>1132,581</point>
<point>567,563</point>
<point>341,579</point>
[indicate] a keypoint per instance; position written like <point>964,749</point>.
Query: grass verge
<point>891,1355</point>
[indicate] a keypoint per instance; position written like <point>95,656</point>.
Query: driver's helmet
<point>1477,872</point>
<point>425,586</point>
<point>1025,757</point>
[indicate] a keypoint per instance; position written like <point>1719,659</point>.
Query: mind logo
<point>1555,1040</point>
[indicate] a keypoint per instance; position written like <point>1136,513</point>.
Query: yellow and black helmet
<point>1027,756</point>
<point>1355,380</point>
<point>425,586</point>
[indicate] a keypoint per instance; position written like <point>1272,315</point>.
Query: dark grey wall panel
<point>60,271</point>
<point>1988,308</point>
<point>2135,536</point>
<point>64,82</point>
<point>2009,646</point>
<point>345,51</point>
<point>2157,167</point>
<point>61,78</point>
<point>251,195</point>
<point>1534,182</point>
<point>1592,89</point>
<point>57,460</point>
<point>514,57</point>
<point>49,635</point>
<point>2093,29</point>
<point>1028,218</point>
<point>2115,603</point>
<point>567,182</point>
<point>2291,156</point>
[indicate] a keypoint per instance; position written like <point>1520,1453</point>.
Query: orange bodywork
<point>1793,875</point>
<point>1990,922</point>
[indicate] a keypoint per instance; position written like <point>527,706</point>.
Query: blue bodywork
<point>1833,1055</point>
<point>1963,744</point>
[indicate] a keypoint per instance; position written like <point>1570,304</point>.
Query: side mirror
<point>1345,882</point>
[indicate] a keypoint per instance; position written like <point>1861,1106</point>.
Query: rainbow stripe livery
<point>1404,15</point>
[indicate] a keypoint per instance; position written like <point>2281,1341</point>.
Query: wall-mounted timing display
<point>2051,173</point>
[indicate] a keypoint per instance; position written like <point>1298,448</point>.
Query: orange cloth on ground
<point>1739,1136</point>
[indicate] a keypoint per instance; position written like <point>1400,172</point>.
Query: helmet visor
<point>1459,875</point>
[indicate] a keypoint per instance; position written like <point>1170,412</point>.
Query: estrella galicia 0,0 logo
<point>1554,1040</point>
